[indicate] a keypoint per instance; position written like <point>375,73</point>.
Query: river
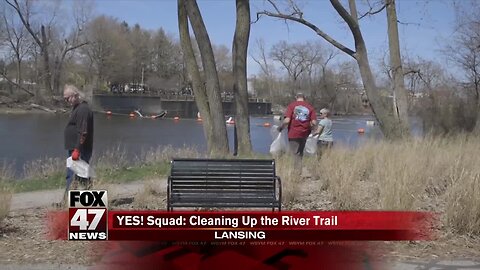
<point>27,137</point>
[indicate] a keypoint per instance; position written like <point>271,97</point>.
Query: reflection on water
<point>29,137</point>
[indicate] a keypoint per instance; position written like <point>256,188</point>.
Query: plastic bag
<point>80,168</point>
<point>279,143</point>
<point>311,145</point>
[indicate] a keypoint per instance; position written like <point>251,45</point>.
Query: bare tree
<point>70,41</point>
<point>400,98</point>
<point>321,57</point>
<point>19,44</point>
<point>293,58</point>
<point>223,62</point>
<point>166,63</point>
<point>266,68</point>
<point>44,36</point>
<point>193,71</point>
<point>108,53</point>
<point>465,51</point>
<point>217,135</point>
<point>388,123</point>
<point>240,47</point>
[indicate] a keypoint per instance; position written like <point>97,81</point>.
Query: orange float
<point>131,115</point>
<point>199,119</point>
<point>361,130</point>
<point>109,112</point>
<point>266,124</point>
<point>176,118</point>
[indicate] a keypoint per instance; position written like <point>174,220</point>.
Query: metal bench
<point>223,183</point>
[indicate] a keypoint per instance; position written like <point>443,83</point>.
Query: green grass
<point>54,181</point>
<point>134,173</point>
<point>122,175</point>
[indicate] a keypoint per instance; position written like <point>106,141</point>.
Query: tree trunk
<point>46,74</point>
<point>194,75</point>
<point>379,108</point>
<point>19,72</point>
<point>211,79</point>
<point>57,75</point>
<point>239,54</point>
<point>400,101</point>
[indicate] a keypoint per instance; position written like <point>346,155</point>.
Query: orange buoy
<point>176,118</point>
<point>199,119</point>
<point>131,115</point>
<point>153,117</point>
<point>266,124</point>
<point>109,112</point>
<point>361,130</point>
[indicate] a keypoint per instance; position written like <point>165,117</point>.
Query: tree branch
<point>25,22</point>
<point>310,25</point>
<point>274,6</point>
<point>413,71</point>
<point>17,85</point>
<point>76,47</point>
<point>352,24</point>
<point>408,23</point>
<point>371,12</point>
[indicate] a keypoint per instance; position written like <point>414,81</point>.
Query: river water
<point>27,137</point>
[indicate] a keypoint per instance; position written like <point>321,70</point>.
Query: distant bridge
<point>175,105</point>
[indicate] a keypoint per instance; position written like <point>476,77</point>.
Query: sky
<point>427,25</point>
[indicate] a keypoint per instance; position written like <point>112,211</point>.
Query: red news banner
<point>269,226</point>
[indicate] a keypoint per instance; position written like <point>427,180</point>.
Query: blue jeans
<point>85,156</point>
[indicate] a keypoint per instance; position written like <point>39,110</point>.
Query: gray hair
<point>74,90</point>
<point>325,111</point>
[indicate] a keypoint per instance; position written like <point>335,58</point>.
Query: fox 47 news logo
<point>87,215</point>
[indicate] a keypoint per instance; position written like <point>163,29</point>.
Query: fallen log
<point>43,108</point>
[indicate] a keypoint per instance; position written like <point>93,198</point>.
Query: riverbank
<point>432,174</point>
<point>27,108</point>
<point>30,108</point>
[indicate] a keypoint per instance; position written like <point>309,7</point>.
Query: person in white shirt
<point>325,139</point>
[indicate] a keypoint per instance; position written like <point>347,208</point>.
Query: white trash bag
<point>311,145</point>
<point>279,143</point>
<point>80,168</point>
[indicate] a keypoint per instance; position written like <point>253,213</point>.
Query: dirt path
<point>45,198</point>
<point>23,244</point>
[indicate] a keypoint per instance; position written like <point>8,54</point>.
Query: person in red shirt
<point>301,119</point>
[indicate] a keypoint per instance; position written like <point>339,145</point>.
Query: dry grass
<point>112,159</point>
<point>167,153</point>
<point>290,178</point>
<point>5,200</point>
<point>43,168</point>
<point>435,174</point>
<point>151,197</point>
<point>6,171</point>
<point>6,174</point>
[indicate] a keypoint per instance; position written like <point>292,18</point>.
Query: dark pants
<point>297,145</point>
<point>323,146</point>
<point>85,156</point>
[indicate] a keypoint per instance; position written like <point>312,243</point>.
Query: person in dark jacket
<point>78,132</point>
